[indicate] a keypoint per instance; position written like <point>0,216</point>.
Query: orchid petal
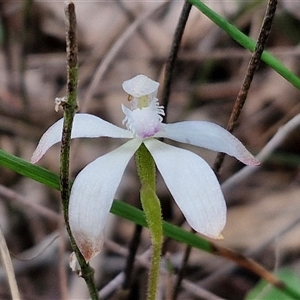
<point>92,195</point>
<point>84,125</point>
<point>193,186</point>
<point>207,135</point>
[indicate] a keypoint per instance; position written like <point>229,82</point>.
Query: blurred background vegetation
<point>118,40</point>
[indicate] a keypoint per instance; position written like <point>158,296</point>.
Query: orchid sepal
<point>207,135</point>
<point>84,126</point>
<point>193,186</point>
<point>92,196</point>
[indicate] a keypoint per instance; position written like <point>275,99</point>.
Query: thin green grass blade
<point>29,170</point>
<point>247,42</point>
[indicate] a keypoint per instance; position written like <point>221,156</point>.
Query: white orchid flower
<point>189,178</point>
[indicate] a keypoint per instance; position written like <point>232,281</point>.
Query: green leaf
<point>29,170</point>
<point>265,291</point>
<point>246,42</point>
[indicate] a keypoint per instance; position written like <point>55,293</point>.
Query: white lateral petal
<point>92,195</point>
<point>193,186</point>
<point>207,135</point>
<point>84,125</point>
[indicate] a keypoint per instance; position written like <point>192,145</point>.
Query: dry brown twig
<point>112,53</point>
<point>6,260</point>
<point>228,267</point>
<point>263,155</point>
<point>143,260</point>
<point>13,196</point>
<point>251,70</point>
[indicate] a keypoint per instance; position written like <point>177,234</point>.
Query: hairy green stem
<point>152,210</point>
<point>70,106</point>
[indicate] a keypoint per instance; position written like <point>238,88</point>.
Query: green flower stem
<point>247,42</point>
<point>152,210</point>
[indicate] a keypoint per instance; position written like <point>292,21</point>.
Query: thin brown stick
<point>248,264</point>
<point>169,71</point>
<point>252,67</point>
<point>24,52</point>
<point>7,263</point>
<point>111,54</point>
<point>133,247</point>
<point>70,107</point>
<point>181,272</point>
<point>225,268</point>
<point>170,63</point>
<point>7,49</point>
<point>11,195</point>
<point>263,155</point>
